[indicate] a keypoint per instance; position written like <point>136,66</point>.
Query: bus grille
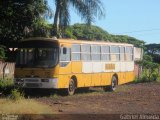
<point>32,85</point>
<point>31,80</point>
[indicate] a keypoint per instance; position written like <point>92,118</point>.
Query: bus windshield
<point>37,57</point>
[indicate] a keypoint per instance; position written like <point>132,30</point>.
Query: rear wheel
<point>113,86</point>
<point>114,83</point>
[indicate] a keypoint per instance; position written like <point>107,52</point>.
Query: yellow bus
<point>70,64</point>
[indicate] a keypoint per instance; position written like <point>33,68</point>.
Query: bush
<point>6,85</point>
<point>16,95</point>
<point>141,80</point>
<point>150,69</point>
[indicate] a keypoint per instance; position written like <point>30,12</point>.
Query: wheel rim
<point>71,88</point>
<point>114,83</point>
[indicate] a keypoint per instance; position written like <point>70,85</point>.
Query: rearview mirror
<point>64,50</point>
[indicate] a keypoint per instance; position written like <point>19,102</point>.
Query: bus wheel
<point>114,83</point>
<point>72,87</point>
<point>113,86</point>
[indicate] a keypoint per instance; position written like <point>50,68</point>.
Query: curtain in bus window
<point>122,53</point>
<point>85,52</point>
<point>129,53</point>
<point>115,53</point>
<point>76,52</point>
<point>105,53</point>
<point>95,52</point>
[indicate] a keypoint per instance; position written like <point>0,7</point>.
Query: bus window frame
<point>61,62</point>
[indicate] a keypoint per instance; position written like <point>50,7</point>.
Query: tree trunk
<point>56,18</point>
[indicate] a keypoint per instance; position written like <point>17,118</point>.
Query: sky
<point>136,18</point>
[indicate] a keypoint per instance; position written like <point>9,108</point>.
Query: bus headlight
<point>19,80</point>
<point>44,80</point>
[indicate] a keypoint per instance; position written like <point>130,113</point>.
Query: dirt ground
<point>141,98</point>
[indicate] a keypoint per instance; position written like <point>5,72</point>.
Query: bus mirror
<point>64,50</point>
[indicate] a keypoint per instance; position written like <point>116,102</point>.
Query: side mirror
<point>64,50</point>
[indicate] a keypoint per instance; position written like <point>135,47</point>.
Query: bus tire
<point>113,86</point>
<point>72,87</point>
<point>114,83</point>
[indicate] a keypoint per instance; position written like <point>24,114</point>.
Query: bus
<point>69,64</point>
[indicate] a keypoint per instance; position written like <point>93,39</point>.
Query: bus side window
<point>122,53</point>
<point>65,56</point>
<point>96,52</point>
<point>115,53</point>
<point>76,52</point>
<point>64,50</point>
<point>129,53</point>
<point>105,53</point>
<point>85,52</point>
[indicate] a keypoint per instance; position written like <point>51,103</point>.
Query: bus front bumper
<point>36,82</point>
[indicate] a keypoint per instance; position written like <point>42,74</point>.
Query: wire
<point>138,31</point>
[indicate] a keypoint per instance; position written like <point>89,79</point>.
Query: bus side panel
<point>87,71</point>
<point>76,67</point>
<point>121,78</point>
<point>96,73</point>
<point>129,71</point>
<point>80,81</point>
<point>96,79</point>
<point>129,76</point>
<point>83,76</point>
<point>66,69</point>
<point>64,76</point>
<point>86,80</point>
<point>106,79</point>
<point>63,81</point>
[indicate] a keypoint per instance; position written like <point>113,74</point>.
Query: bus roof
<point>72,41</point>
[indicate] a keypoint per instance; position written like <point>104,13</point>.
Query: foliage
<point>150,63</point>
<point>150,69</point>
<point>87,9</point>
<point>17,15</point>
<point>84,32</point>
<point>6,85</point>
<point>16,95</point>
<point>152,48</point>
<point>41,28</point>
<point>154,51</point>
<point>2,52</point>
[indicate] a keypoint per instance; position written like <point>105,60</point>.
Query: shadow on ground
<point>37,93</point>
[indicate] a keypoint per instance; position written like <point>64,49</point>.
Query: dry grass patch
<point>23,106</point>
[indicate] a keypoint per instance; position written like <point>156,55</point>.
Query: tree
<point>2,52</point>
<point>154,51</point>
<point>152,48</point>
<point>83,32</point>
<point>87,9</point>
<point>16,15</point>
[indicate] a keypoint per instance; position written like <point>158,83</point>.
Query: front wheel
<point>71,88</point>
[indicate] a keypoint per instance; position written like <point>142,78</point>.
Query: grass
<point>122,88</point>
<point>16,95</point>
<point>54,96</point>
<point>23,106</point>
